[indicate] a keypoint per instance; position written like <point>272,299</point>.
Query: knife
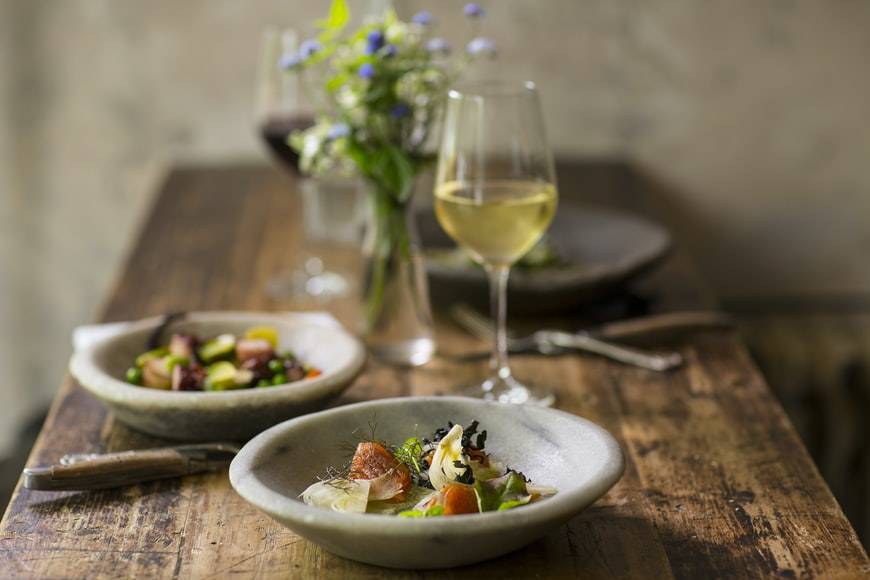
<point>107,470</point>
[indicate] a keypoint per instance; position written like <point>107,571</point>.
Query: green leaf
<point>488,496</point>
<point>512,503</point>
<point>405,172</point>
<point>336,82</point>
<point>338,16</point>
<point>360,158</point>
<point>492,495</point>
<point>434,511</point>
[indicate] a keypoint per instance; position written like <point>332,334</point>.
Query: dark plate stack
<point>600,251</point>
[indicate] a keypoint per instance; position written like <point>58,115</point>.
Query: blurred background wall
<point>751,112</point>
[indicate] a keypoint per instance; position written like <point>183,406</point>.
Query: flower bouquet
<point>380,90</point>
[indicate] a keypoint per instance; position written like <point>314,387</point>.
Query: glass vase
<point>397,316</point>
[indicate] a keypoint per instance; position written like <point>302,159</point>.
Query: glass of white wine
<point>495,195</point>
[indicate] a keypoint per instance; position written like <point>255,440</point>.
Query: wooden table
<point>717,482</point>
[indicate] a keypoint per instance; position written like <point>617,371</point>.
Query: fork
<point>553,341</point>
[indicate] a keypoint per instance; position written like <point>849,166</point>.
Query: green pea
<point>289,355</point>
<point>134,375</point>
<point>276,366</point>
<point>279,379</point>
<point>264,383</point>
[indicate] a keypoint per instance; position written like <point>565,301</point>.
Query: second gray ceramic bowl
<point>553,448</point>
<point>219,416</point>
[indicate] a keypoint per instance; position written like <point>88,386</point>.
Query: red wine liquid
<point>275,132</point>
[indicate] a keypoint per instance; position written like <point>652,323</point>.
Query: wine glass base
<point>312,282</point>
<point>511,391</point>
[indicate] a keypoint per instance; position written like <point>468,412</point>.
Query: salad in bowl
<point>448,473</point>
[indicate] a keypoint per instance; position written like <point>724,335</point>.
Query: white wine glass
<point>495,195</point>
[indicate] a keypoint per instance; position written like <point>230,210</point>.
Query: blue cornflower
<point>338,131</point>
<point>289,60</point>
<point>481,45</point>
<point>367,70</point>
<point>400,110</point>
<point>390,50</point>
<point>473,10</point>
<point>438,45</point>
<point>375,40</point>
<point>308,48</point>
<point>423,18</point>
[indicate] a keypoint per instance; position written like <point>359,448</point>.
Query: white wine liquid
<point>497,221</point>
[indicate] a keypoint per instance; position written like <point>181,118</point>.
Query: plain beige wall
<point>753,112</point>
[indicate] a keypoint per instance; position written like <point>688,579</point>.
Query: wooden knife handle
<point>112,470</point>
<point>659,327</point>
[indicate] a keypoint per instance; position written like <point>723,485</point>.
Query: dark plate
<point>603,249</point>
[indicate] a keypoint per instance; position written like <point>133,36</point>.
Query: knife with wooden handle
<point>662,326</point>
<point>103,471</point>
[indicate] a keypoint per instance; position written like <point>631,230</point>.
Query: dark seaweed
<point>520,473</point>
<point>467,476</point>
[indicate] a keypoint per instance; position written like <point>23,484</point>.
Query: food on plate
<point>448,474</point>
<point>221,363</point>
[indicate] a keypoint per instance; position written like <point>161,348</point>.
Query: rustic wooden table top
<point>717,483</point>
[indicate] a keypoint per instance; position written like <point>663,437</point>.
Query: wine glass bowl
<point>495,195</point>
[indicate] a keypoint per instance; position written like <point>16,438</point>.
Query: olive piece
<point>295,372</point>
<point>190,378</point>
<point>260,367</point>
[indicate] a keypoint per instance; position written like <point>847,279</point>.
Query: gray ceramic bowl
<point>552,447</point>
<point>228,415</point>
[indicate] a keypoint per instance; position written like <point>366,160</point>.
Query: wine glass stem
<point>498,279</point>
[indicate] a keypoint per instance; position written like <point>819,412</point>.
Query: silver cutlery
<point>550,342</point>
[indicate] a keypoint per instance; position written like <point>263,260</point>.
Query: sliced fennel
<point>340,495</point>
<point>444,468</point>
<point>416,496</point>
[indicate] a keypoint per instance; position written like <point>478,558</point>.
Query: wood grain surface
<point>717,483</point>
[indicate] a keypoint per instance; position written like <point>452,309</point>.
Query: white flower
<point>395,32</point>
<point>311,145</point>
<point>481,46</point>
<point>347,98</point>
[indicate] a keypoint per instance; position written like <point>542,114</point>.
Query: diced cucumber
<point>220,376</point>
<point>151,354</point>
<point>173,361</point>
<point>220,347</point>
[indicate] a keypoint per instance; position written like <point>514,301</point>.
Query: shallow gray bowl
<point>554,448</point>
<point>228,415</point>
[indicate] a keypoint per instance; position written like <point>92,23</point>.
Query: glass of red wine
<point>281,109</point>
